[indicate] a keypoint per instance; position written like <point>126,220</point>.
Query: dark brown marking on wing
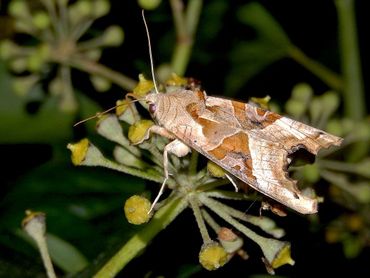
<point>235,146</point>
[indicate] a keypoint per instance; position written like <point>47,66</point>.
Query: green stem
<point>338,166</point>
<point>92,67</point>
<point>148,174</point>
<point>185,25</point>
<point>194,203</point>
<point>162,218</point>
<point>220,210</point>
<point>353,91</point>
<point>193,163</point>
<point>331,78</point>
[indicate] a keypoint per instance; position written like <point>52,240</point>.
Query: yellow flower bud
<point>79,151</point>
<point>212,256</point>
<point>262,101</point>
<point>137,210</point>
<point>176,80</point>
<point>138,132</point>
<point>144,86</point>
<point>283,257</point>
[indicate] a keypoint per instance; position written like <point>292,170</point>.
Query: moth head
<point>153,100</point>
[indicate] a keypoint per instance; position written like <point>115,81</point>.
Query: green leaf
<point>63,254</point>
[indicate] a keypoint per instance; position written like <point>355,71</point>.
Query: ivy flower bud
<point>109,127</point>
<point>85,153</point>
<point>149,4</point>
<point>176,80</point>
<point>41,20</point>
<point>100,8</point>
<point>101,84</point>
<point>19,9</point>
<point>212,256</point>
<point>138,132</point>
<point>144,86</point>
<point>215,170</point>
<point>277,253</point>
<point>262,102</point>
<point>229,240</point>
<point>137,209</point>
<point>34,225</point>
<point>113,36</point>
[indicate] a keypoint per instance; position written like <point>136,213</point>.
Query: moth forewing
<point>251,143</point>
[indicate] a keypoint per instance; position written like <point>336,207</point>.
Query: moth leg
<point>232,180</point>
<point>157,130</point>
<point>177,148</point>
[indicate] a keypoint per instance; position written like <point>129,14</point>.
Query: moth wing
<point>254,144</point>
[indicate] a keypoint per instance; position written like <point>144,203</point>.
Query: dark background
<point>311,25</point>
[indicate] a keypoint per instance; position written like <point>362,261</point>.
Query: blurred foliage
<point>57,57</point>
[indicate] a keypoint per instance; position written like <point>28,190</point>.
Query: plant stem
<point>185,25</point>
<point>162,218</point>
<point>353,91</point>
<point>193,163</point>
<point>92,67</point>
<point>194,203</point>
<point>331,78</point>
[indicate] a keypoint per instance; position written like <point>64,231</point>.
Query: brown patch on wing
<point>234,143</point>
<point>268,117</point>
<point>234,146</point>
<point>252,117</point>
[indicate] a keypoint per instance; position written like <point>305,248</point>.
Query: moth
<point>249,142</point>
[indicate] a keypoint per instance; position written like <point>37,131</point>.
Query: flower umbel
<point>198,190</point>
<point>58,32</point>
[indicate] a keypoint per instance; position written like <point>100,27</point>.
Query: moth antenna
<point>150,52</point>
<point>99,114</point>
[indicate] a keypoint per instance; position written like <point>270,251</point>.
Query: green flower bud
<point>113,36</point>
<point>19,9</point>
<point>149,4</point>
<point>41,20</point>
<point>295,108</point>
<point>100,8</point>
<point>136,210</point>
<point>101,84</point>
<point>84,8</point>
<point>316,109</point>
<point>302,92</point>
<point>109,127</point>
<point>215,170</point>
<point>330,101</point>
